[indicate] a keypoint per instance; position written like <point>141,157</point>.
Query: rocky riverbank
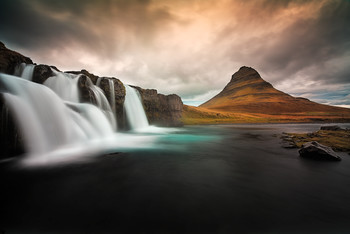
<point>335,137</point>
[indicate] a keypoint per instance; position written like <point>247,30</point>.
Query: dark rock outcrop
<point>331,128</point>
<point>10,59</point>
<point>161,110</point>
<point>86,93</point>
<point>314,150</point>
<point>41,73</point>
<point>287,141</point>
<point>92,77</point>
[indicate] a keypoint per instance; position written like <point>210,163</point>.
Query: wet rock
<point>41,73</point>
<point>331,128</point>
<point>288,144</point>
<point>92,77</point>
<point>10,59</point>
<point>119,97</point>
<point>85,91</point>
<point>287,141</point>
<point>161,110</point>
<point>314,150</point>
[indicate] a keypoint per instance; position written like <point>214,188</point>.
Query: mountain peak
<point>245,74</point>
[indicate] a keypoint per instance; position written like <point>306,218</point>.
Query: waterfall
<point>25,71</point>
<point>65,85</point>
<point>45,120</point>
<point>98,82</point>
<point>104,105</point>
<point>50,116</point>
<point>135,113</point>
<point>112,95</point>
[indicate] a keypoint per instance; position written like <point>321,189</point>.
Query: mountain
<point>247,92</point>
<point>249,98</point>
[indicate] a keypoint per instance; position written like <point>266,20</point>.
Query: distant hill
<point>249,98</point>
<point>248,92</point>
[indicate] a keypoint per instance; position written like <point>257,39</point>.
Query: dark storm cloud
<point>38,23</point>
<point>22,25</point>
<point>189,47</point>
<point>313,42</point>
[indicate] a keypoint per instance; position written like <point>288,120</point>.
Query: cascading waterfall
<point>104,106</point>
<point>135,113</point>
<point>112,95</point>
<point>25,71</point>
<point>98,82</point>
<point>64,85</point>
<point>50,116</point>
<point>55,125</point>
<point>44,119</point>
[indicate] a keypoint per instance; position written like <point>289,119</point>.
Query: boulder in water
<point>41,73</point>
<point>315,150</point>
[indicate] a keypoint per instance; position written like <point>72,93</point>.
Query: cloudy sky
<point>190,47</point>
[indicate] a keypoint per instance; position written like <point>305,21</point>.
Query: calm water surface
<point>227,178</point>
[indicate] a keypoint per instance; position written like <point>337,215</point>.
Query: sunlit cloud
<point>189,47</point>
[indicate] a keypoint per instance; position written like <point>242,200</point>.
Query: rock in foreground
<point>314,150</point>
<point>331,128</point>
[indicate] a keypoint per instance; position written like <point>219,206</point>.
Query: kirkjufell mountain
<point>248,92</point>
<point>249,98</point>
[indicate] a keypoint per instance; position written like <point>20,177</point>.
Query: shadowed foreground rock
<point>331,128</point>
<point>314,150</point>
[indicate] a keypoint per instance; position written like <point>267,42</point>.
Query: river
<point>215,178</point>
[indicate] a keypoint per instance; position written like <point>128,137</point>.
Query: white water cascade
<point>25,71</point>
<point>135,113</point>
<point>52,117</point>
<point>112,96</point>
<point>65,85</point>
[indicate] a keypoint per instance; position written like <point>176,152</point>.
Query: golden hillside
<point>249,98</point>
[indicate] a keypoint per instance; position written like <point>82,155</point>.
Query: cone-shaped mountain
<point>248,92</point>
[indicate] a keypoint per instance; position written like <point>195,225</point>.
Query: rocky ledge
<point>10,59</point>
<point>332,136</point>
<point>161,110</point>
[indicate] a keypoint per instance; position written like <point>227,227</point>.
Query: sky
<point>190,47</point>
